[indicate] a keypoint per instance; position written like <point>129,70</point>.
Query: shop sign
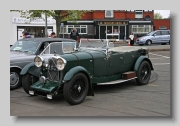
<point>37,21</point>
<point>113,22</point>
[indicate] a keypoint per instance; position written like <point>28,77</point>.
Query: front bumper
<point>48,87</point>
<point>139,41</point>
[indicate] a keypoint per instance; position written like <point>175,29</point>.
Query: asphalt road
<point>125,99</point>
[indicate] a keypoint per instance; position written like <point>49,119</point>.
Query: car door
<point>115,62</point>
<point>156,37</point>
<point>165,36</point>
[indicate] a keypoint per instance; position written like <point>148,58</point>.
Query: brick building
<point>97,24</point>
<point>117,24</point>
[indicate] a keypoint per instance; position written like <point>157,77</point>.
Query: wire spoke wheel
<point>144,73</point>
<point>75,90</point>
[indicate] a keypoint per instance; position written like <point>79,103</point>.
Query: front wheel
<point>27,81</point>
<point>75,90</point>
<point>148,42</point>
<point>144,73</point>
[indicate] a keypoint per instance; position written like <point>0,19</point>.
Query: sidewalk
<point>152,48</point>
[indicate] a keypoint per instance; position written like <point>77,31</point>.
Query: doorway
<point>112,32</point>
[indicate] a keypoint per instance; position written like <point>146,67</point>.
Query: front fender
<point>32,69</point>
<point>69,75</point>
<point>74,71</point>
<point>139,60</point>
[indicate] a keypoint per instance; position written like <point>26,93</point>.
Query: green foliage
<point>158,16</point>
<point>58,15</point>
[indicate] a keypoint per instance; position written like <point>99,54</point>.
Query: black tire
<point>15,78</point>
<point>75,90</point>
<point>148,42</point>
<point>141,44</point>
<point>144,73</point>
<point>163,43</point>
<point>27,81</point>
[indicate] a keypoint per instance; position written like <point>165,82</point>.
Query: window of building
<point>82,29</point>
<point>162,27</point>
<point>139,14</point>
<point>142,28</point>
<point>109,13</point>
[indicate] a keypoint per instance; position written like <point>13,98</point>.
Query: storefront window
<point>82,29</point>
<point>109,30</point>
<point>34,31</point>
<point>115,30</point>
<point>142,28</point>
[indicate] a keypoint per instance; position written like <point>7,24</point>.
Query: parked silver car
<point>23,53</point>
<point>155,37</point>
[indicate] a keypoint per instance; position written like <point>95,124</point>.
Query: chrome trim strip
<point>115,82</point>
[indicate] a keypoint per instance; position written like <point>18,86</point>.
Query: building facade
<point>116,24</point>
<point>36,28</point>
<point>98,24</point>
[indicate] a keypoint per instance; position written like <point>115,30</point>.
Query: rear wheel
<point>75,90</point>
<point>15,78</point>
<point>27,81</point>
<point>144,73</point>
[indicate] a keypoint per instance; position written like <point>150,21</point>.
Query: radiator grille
<point>53,73</point>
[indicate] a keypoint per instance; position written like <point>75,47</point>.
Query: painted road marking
<point>159,55</point>
<point>161,63</point>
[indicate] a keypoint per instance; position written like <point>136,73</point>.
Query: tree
<point>58,15</point>
<point>158,16</point>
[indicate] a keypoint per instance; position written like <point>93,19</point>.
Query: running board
<point>117,81</point>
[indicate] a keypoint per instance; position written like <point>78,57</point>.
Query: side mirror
<point>154,35</point>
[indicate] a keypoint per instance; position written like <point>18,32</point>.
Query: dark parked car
<point>94,63</point>
<point>23,52</point>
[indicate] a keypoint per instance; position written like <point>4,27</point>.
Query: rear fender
<point>138,62</point>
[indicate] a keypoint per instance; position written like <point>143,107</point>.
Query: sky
<point>164,13</point>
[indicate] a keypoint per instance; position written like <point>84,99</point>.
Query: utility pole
<point>46,33</point>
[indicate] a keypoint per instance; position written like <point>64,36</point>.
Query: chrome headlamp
<point>60,62</point>
<point>38,61</point>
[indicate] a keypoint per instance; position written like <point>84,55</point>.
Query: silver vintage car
<point>23,53</point>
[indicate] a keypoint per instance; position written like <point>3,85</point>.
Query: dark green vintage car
<point>74,71</point>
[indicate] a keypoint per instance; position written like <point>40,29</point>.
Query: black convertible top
<point>47,39</point>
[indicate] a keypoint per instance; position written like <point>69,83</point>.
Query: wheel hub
<point>145,73</point>
<point>79,88</point>
<point>14,78</point>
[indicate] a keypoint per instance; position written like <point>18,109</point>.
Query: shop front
<point>34,31</point>
<point>111,29</point>
<point>36,28</point>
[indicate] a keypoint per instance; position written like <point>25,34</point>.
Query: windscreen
<point>25,46</point>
